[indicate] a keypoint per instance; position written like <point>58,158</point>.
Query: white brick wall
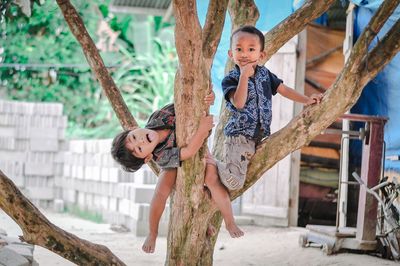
<point>36,156</point>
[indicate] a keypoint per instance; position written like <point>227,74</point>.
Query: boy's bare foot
<point>211,231</point>
<point>149,244</point>
<point>234,230</point>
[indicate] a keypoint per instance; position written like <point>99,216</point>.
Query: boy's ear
<point>148,158</point>
<point>230,53</point>
<point>263,54</point>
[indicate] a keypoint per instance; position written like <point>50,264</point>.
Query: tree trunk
<point>191,209</point>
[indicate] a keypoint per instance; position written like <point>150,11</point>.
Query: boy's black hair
<point>252,30</point>
<point>123,156</point>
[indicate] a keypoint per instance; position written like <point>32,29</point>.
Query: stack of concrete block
<point>31,136</point>
<point>14,252</point>
<point>94,182</point>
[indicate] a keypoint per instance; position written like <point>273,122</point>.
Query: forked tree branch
<point>37,230</point>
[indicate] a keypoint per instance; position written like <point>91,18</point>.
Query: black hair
<point>252,30</point>
<point>123,156</point>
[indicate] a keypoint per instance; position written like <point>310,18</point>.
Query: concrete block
<point>40,157</point>
<point>44,145</point>
<point>41,169</point>
<point>112,204</point>
<point>81,199</point>
<point>104,145</point>
<point>141,193</point>
<point>7,143</point>
<point>40,193</point>
<point>77,146</point>
<point>11,258</point>
<point>18,156</point>
<point>63,145</point>
<point>104,174</point>
<point>70,196</point>
<point>22,145</point>
<point>58,205</point>
<point>113,175</point>
<point>7,131</point>
<point>124,206</point>
<point>43,133</point>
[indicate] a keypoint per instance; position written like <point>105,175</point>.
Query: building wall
<point>77,174</point>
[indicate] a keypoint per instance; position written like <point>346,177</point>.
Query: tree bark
<point>192,209</point>
<point>39,231</point>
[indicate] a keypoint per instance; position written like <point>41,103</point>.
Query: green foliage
<point>146,82</point>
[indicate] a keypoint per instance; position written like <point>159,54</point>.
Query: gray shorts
<point>236,156</point>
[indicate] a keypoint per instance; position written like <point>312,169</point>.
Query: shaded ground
<point>259,246</point>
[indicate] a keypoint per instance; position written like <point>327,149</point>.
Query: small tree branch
<point>292,25</point>
<point>39,231</point>
<point>382,53</point>
<point>96,63</point>
<point>213,28</point>
<point>372,29</point>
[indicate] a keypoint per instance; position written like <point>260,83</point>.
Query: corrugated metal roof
<point>149,7</point>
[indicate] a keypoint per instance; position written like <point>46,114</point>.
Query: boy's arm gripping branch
<point>206,124</point>
<point>293,95</point>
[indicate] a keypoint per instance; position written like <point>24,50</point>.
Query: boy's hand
<point>248,69</point>
<point>206,124</point>
<point>314,99</point>
<point>210,98</point>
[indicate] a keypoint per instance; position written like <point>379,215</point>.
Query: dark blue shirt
<point>254,120</point>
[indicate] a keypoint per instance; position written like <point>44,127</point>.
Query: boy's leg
<point>221,197</point>
<point>165,183</point>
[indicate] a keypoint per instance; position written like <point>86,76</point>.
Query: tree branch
<point>213,28</point>
<point>382,53</point>
<point>372,29</point>
<point>39,231</point>
<point>96,63</point>
<point>292,25</point>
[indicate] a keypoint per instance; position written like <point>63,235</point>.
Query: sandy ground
<point>259,246</point>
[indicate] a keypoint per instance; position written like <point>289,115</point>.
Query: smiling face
<point>141,142</point>
<point>246,48</point>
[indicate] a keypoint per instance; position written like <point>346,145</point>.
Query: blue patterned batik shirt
<point>254,120</point>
